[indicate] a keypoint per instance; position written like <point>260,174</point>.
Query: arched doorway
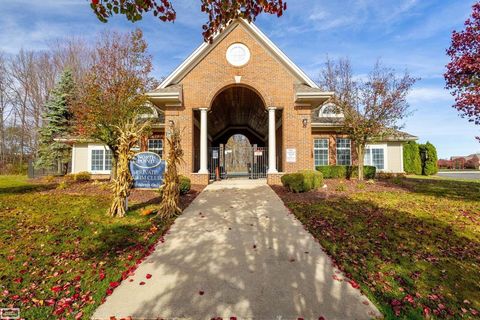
<point>237,115</point>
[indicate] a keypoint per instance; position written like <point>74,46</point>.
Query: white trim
<point>336,151</point>
<point>401,158</point>
<point>384,147</point>
<point>328,151</point>
<point>73,159</point>
<point>92,147</point>
<point>205,48</point>
<point>321,113</point>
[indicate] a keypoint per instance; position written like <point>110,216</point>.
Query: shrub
<point>293,182</point>
<point>302,181</point>
<point>430,163</point>
<point>185,184</point>
<point>341,187</point>
<point>412,163</point>
<point>83,176</point>
<point>332,172</point>
<point>313,179</point>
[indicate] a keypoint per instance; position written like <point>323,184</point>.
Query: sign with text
<point>147,170</point>
<point>291,155</point>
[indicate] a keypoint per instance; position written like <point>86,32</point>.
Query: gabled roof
<point>178,74</point>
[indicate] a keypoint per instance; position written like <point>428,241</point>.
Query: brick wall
<point>264,74</point>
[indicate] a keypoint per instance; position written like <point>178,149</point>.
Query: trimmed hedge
<point>412,163</point>
<point>332,172</point>
<point>302,181</point>
<point>185,184</point>
<point>430,164</point>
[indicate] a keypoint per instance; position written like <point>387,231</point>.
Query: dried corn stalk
<point>129,136</point>
<point>171,188</point>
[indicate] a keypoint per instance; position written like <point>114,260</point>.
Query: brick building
<point>243,84</point>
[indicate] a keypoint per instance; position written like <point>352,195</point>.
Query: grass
<point>414,250</point>
<point>60,253</point>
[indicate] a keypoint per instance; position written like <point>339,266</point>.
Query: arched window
<point>330,110</point>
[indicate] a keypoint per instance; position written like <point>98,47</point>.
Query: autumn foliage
<point>219,12</point>
<point>463,71</point>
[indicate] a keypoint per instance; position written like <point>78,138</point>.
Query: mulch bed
<point>337,188</point>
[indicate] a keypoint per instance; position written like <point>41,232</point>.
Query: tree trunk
<point>360,160</point>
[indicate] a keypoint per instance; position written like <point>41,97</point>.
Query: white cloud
<point>430,95</point>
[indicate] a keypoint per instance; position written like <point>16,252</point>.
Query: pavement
<point>236,251</point>
<point>467,175</point>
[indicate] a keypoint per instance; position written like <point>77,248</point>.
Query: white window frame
<point>328,151</point>
<point>336,150</point>
<point>322,114</point>
<point>384,147</point>
<point>92,147</point>
<point>156,149</point>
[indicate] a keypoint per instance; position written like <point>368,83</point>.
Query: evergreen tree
<point>56,123</point>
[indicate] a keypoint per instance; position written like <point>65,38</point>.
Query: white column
<point>203,141</point>
<point>272,147</point>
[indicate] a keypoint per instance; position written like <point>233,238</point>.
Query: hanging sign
<point>147,169</point>
<point>258,153</point>
<point>291,155</point>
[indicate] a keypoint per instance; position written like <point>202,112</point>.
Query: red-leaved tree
<point>463,71</point>
<point>219,12</point>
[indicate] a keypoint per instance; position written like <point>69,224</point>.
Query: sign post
<point>147,170</point>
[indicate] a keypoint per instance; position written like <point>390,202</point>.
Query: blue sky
<point>404,34</point>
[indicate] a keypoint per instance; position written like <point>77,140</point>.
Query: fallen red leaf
<point>18,280</point>
<point>114,284</point>
<point>148,276</point>
<point>354,284</point>
<point>79,315</point>
<point>142,283</point>
<point>56,288</point>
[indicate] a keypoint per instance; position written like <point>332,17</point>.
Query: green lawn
<point>59,253</point>
<point>414,247</point>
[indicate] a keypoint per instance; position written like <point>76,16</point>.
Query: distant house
<point>461,162</point>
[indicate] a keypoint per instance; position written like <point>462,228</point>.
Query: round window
<point>238,54</point>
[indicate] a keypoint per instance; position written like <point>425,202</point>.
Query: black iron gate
<point>249,162</point>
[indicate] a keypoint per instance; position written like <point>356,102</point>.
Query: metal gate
<point>248,162</point>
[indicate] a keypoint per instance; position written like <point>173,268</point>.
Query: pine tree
<point>56,123</point>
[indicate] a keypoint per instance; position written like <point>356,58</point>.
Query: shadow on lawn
<point>27,188</point>
<point>453,189</point>
<point>217,263</point>
<point>417,254</point>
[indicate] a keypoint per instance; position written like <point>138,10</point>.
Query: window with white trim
<point>330,110</point>
<point>375,156</point>
<point>100,160</point>
<point>320,152</point>
<point>156,146</point>
<point>344,154</point>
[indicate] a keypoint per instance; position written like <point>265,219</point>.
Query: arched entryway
<point>235,111</point>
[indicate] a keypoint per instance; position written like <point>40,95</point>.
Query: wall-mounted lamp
<point>305,122</point>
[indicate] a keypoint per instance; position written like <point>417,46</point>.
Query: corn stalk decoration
<point>171,188</point>
<point>130,134</point>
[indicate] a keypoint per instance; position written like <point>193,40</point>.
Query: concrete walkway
<point>237,252</point>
